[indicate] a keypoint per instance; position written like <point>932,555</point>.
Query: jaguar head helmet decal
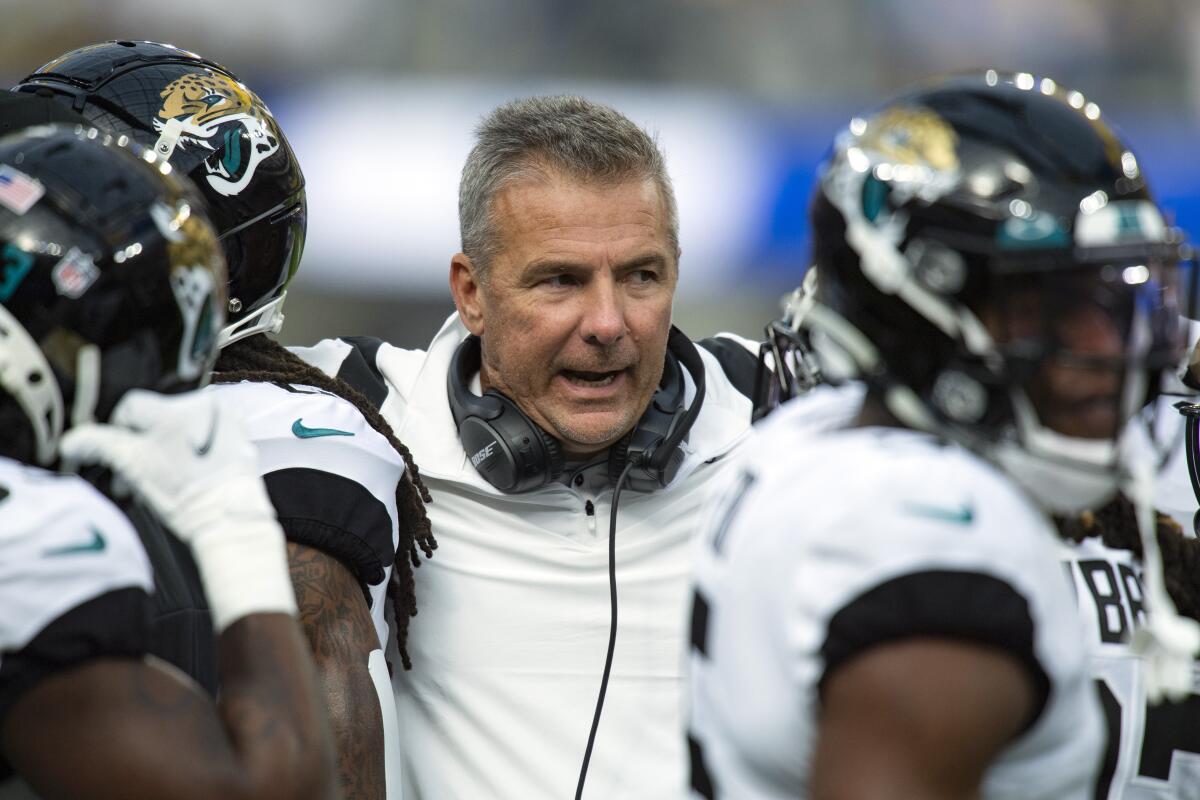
<point>212,111</point>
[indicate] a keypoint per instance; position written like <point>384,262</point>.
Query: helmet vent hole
<point>127,44</point>
<point>35,378</point>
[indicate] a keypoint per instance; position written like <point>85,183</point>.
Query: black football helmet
<point>197,115</point>
<point>111,278</point>
<point>955,228</point>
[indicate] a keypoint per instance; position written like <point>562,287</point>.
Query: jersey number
<point>1169,727</point>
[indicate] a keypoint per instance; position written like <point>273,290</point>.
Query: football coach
<point>566,432</point>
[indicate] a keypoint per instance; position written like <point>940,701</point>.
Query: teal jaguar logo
<point>210,110</point>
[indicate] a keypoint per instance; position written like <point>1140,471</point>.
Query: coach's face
<point>576,306</point>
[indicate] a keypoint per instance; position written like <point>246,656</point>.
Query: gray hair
<point>522,138</point>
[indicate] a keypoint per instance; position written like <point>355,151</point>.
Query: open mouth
<point>590,379</point>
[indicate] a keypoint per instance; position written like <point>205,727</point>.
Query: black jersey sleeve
<point>336,515</point>
<point>967,606</point>
<point>115,624</point>
<point>739,364</point>
<point>360,370</point>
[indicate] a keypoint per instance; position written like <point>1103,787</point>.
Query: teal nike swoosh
<point>962,515</point>
<point>97,545</point>
<point>304,432</point>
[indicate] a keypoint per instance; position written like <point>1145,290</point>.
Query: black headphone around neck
<point>515,455</point>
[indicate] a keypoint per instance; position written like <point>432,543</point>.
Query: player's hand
<point>197,470</point>
<point>179,455</point>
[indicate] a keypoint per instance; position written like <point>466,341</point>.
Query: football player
<point>881,610</point>
<point>345,490</point>
<point>112,283</point>
<point>1152,749</point>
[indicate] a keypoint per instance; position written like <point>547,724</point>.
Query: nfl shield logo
<point>74,274</point>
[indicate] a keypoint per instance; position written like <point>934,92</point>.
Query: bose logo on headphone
<point>486,452</point>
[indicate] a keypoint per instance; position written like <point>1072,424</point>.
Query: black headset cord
<point>612,627</point>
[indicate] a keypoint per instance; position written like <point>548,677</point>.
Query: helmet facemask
<point>28,379</point>
<point>1053,379</point>
<point>1084,349</point>
<point>787,366</point>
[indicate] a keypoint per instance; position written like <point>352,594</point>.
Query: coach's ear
<point>467,290</point>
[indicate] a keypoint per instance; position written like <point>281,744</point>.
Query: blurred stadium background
<point>378,98</point>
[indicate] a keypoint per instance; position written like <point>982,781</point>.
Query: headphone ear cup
<point>489,453</point>
<point>504,446</point>
<point>656,455</point>
<point>508,449</point>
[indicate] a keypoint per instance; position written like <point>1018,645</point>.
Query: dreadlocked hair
<point>1116,525</point>
<point>261,360</point>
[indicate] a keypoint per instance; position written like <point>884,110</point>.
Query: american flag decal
<point>18,191</point>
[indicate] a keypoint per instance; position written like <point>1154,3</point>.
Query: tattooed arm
<point>132,729</point>
<point>341,634</point>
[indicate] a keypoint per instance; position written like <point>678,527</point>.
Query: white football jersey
<point>332,477</point>
<point>510,642</point>
<point>62,543</point>
<point>74,582</point>
<point>831,542</point>
<point>1153,751</point>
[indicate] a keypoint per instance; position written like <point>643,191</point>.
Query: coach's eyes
<point>561,281</point>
